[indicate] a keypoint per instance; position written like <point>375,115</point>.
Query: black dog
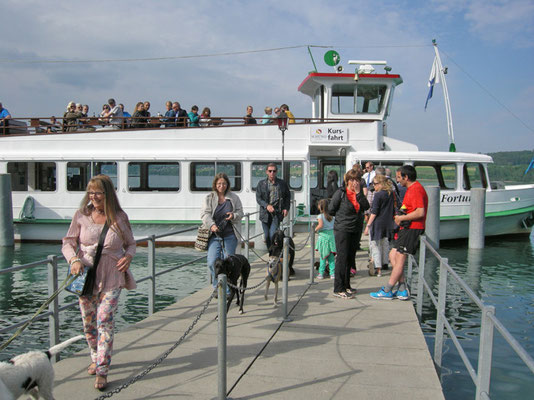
<point>234,267</point>
<point>277,246</point>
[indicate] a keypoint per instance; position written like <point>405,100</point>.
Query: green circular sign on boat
<point>332,58</point>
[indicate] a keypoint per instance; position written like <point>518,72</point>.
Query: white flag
<point>433,79</point>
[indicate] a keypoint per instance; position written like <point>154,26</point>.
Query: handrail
<point>489,322</point>
<point>43,125</point>
<point>51,261</point>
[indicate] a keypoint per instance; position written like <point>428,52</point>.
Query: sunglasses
<point>270,171</point>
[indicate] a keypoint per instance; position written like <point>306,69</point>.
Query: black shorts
<point>407,240</point>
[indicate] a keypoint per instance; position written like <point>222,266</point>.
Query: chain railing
<point>489,322</point>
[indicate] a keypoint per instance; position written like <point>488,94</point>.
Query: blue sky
<point>487,45</point>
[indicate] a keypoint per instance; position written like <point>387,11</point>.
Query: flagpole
<point>450,130</point>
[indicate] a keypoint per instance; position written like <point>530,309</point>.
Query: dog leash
<point>68,280</point>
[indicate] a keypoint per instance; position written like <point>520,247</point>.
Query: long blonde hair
<point>385,183</point>
<point>111,203</point>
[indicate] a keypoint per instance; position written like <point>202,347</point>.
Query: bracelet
<point>75,260</point>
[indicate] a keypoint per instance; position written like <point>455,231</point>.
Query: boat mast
<point>442,72</point>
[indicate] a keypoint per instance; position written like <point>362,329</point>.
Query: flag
<point>530,166</point>
<point>433,79</point>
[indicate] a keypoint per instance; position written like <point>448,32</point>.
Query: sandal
<point>91,369</point>
<point>101,382</point>
<point>342,295</point>
<point>351,291</point>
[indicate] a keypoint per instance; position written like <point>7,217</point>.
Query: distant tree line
<point>510,166</point>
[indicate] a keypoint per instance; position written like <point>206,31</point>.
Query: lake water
<point>501,275</point>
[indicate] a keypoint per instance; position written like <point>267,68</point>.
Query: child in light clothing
<point>326,244</point>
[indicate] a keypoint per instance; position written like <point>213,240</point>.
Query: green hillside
<point>510,166</point>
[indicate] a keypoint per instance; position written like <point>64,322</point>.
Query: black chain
<point>247,288</point>
<point>163,357</point>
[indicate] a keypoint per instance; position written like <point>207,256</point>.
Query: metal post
<point>53,307</point>
<point>440,314</point>
<point>291,212</point>
<point>485,353</point>
<point>152,274</point>
<point>476,218</point>
<point>6,212</point>
<point>432,217</point>
<point>312,255</point>
<point>410,271</point>
<point>247,235</point>
<point>221,337</point>
<point>421,278</point>
<point>285,274</point>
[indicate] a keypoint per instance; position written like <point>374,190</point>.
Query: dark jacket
<point>262,198</point>
<point>347,219</point>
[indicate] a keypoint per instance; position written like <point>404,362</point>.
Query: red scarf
<point>352,198</point>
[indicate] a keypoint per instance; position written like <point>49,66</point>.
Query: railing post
<point>291,213</point>
<point>285,274</point>
<point>152,274</point>
<point>247,235</point>
<point>485,353</point>
<point>312,255</point>
<point>421,278</point>
<point>221,337</point>
<point>440,313</point>
<point>410,271</point>
<point>53,307</point>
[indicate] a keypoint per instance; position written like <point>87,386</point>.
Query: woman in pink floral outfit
<point>100,205</point>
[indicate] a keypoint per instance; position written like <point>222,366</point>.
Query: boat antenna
<point>442,73</point>
<point>313,61</point>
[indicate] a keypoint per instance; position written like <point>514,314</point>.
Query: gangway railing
<point>489,322</point>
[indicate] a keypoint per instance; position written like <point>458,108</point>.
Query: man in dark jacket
<point>272,194</point>
<point>348,206</point>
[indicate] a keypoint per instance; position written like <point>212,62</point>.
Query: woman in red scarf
<point>348,206</point>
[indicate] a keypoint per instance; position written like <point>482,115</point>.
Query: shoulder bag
<point>83,285</point>
<point>203,236</point>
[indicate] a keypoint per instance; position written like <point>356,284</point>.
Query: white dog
<point>28,371</point>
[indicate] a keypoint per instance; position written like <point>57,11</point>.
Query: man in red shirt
<point>412,225</point>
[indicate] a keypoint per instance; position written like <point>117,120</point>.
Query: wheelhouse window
<point>79,173</point>
<point>203,173</point>
<point>474,176</point>
<point>32,176</point>
<point>154,176</point>
<point>358,99</point>
<point>292,173</point>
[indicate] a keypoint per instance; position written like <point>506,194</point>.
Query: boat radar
<point>365,66</point>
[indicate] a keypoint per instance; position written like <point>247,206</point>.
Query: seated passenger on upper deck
<point>205,117</point>
<point>181,115</point>
<point>170,115</point>
<point>70,118</point>
<point>193,116</point>
<point>285,108</point>
<point>249,119</point>
<point>140,116</point>
<point>267,118</point>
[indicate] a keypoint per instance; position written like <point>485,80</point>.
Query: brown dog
<point>274,273</point>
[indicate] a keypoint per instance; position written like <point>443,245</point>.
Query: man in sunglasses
<point>272,194</point>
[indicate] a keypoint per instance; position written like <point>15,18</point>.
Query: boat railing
<point>52,262</point>
<point>489,322</point>
<point>46,125</point>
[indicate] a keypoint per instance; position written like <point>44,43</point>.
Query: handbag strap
<point>100,245</point>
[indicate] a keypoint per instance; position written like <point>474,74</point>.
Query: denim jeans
<point>215,251</point>
<point>270,228</point>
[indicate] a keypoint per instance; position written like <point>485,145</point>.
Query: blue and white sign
<point>329,134</point>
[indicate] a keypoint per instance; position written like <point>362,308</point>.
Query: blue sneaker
<point>381,295</point>
<point>402,294</point>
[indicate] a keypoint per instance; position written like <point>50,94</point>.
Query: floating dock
<point>332,349</point>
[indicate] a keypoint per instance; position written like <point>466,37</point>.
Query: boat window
<point>474,176</point>
<point>343,99</point>
<point>443,176</point>
<point>203,173</point>
<point>292,173</point>
<point>314,167</point>
<point>370,98</point>
<point>154,176</point>
<point>79,173</point>
<point>42,178</point>
<point>340,171</point>
<point>19,176</point>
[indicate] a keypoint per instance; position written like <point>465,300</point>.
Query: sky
<point>186,51</point>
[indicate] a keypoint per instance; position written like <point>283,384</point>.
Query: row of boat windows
<point>144,176</point>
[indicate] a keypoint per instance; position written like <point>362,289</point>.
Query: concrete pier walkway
<point>333,349</point>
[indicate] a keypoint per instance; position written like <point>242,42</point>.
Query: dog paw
<point>241,312</point>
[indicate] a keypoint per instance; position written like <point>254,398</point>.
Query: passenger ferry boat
<point>163,174</point>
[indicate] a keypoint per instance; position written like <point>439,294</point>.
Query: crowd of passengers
<point>113,116</point>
